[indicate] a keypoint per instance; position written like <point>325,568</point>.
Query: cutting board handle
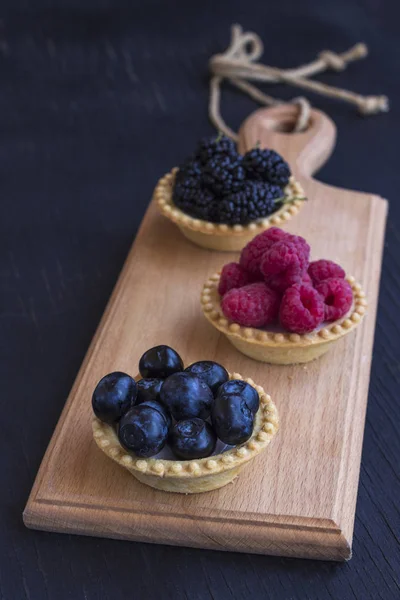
<point>306,152</point>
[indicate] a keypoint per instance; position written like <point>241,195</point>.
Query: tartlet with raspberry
<point>276,306</point>
<point>220,199</point>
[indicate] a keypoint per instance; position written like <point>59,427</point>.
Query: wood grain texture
<point>298,499</point>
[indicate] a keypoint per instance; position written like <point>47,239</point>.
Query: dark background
<point>95,104</point>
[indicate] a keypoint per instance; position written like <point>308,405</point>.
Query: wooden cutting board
<point>297,498</point>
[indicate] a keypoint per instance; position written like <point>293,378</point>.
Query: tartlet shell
<point>215,236</point>
<point>193,476</point>
<point>281,348</point>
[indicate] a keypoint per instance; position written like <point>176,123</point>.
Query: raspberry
<point>251,254</point>
<point>319,270</point>
<point>306,279</point>
<point>337,296</point>
<point>233,276</point>
<point>302,309</point>
<point>299,241</point>
<point>253,305</point>
<point>284,264</point>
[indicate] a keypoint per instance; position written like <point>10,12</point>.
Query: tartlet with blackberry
<point>220,199</point>
<point>182,430</point>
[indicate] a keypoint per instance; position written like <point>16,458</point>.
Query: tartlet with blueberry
<point>220,199</point>
<point>181,430</point>
<point>276,306</point>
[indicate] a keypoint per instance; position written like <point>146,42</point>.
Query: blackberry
<point>224,174</point>
<point>197,202</point>
<point>189,193</point>
<point>186,189</point>
<point>190,168</point>
<point>254,201</point>
<point>217,184</point>
<point>266,165</point>
<point>220,145</point>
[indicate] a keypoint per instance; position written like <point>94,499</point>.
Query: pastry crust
<point>194,476</point>
<point>282,348</point>
<point>216,236</point>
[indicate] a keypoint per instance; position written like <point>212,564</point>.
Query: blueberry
<point>212,373</point>
<point>148,389</point>
<point>232,419</point>
<point>186,396</point>
<point>241,388</point>
<point>161,409</point>
<point>193,438</point>
<point>113,396</point>
<point>160,362</point>
<point>143,430</point>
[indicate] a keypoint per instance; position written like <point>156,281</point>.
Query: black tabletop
<point>95,104</point>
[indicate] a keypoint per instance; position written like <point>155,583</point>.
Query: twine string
<point>238,65</point>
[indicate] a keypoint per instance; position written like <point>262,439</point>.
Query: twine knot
<point>243,50</point>
<point>359,51</point>
<point>238,64</point>
<point>370,105</point>
<point>332,60</point>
